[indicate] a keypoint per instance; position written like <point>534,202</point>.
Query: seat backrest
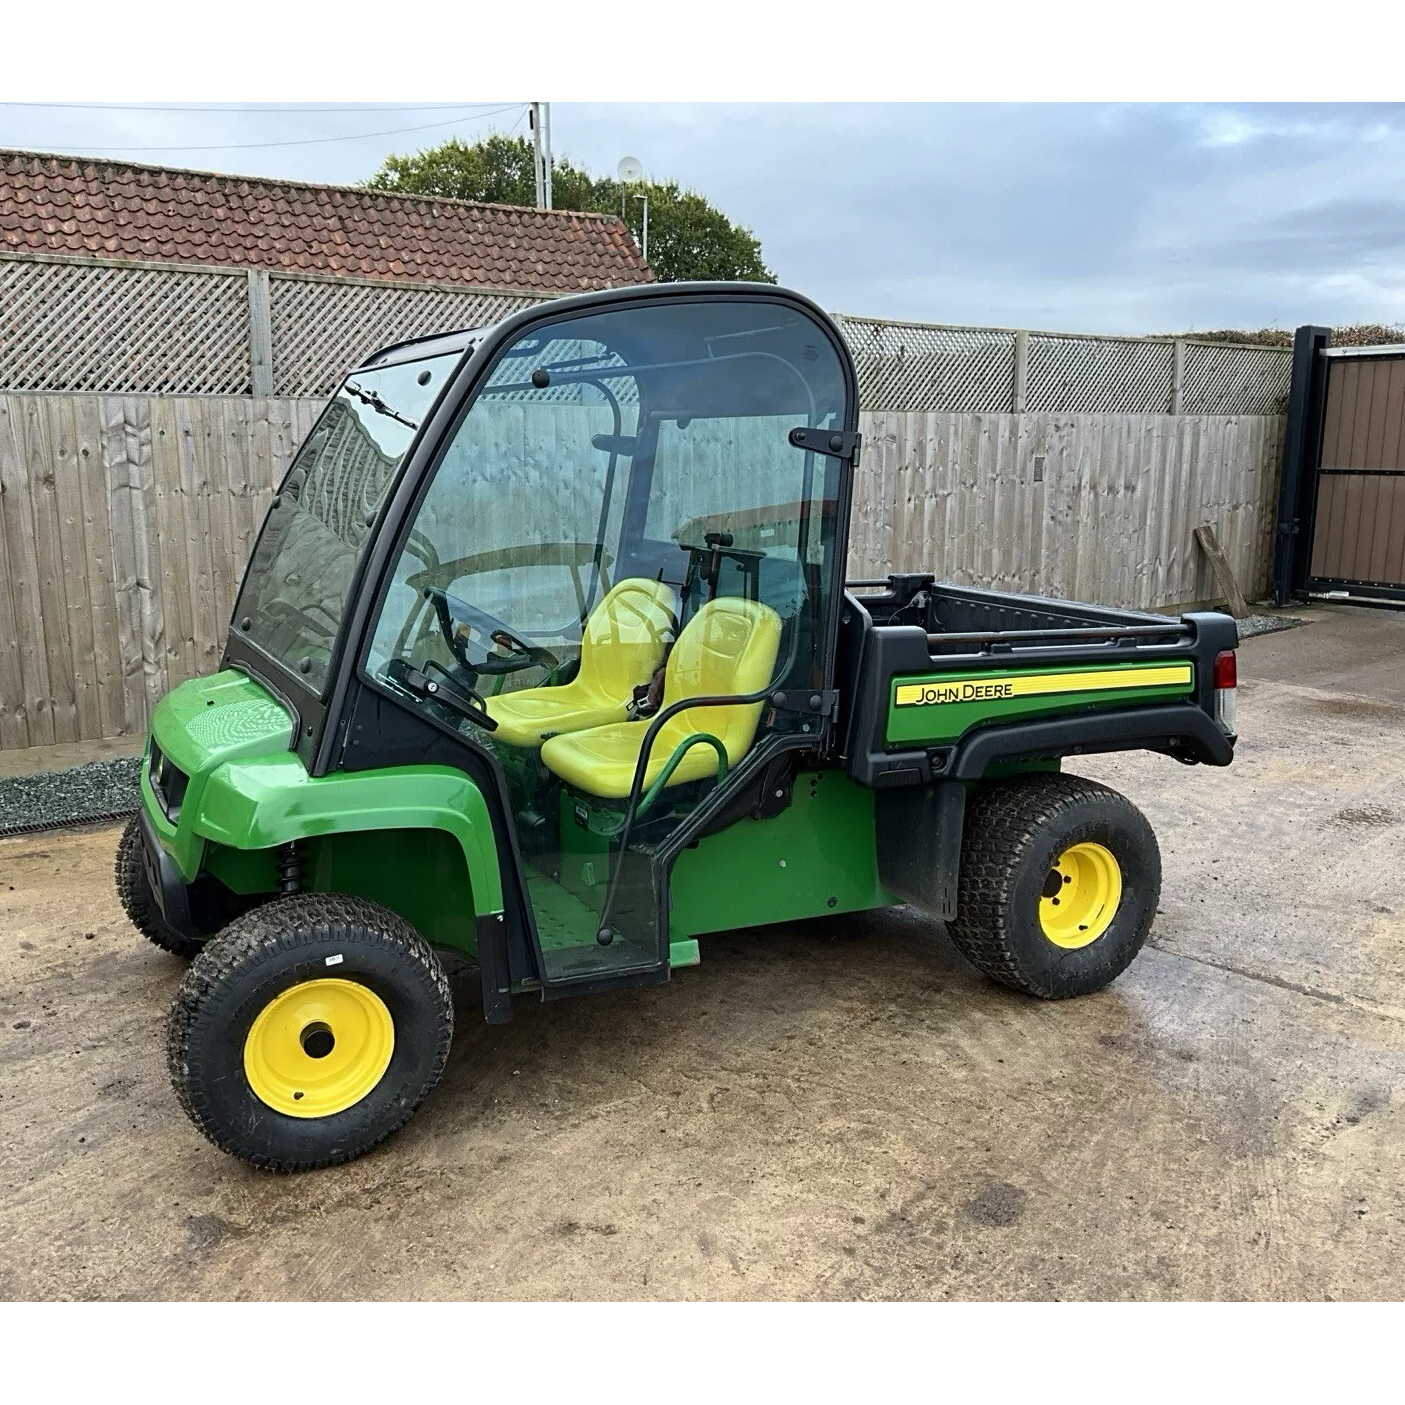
<point>626,635</point>
<point>729,646</point>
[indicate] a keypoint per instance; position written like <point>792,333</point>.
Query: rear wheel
<point>139,902</point>
<point>309,1030</point>
<point>1060,878</point>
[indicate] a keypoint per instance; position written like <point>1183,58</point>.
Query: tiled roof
<point>109,209</point>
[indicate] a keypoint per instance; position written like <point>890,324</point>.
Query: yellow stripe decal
<point>1035,684</point>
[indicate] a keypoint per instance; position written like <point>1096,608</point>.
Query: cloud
<point>1088,217</point>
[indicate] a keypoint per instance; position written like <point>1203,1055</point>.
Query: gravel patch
<point>51,799</point>
<point>1267,624</point>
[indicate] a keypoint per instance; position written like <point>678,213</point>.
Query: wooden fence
<point>1084,507</point>
<point>126,520</point>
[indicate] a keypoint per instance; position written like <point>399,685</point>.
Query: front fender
<point>264,802</point>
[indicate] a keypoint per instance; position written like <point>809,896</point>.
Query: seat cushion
<point>524,718</point>
<point>729,646</point>
<point>601,761</point>
<point>622,645</point>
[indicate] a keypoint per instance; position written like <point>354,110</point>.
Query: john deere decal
<point>1036,684</point>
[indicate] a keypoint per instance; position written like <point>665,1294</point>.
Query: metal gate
<point>1342,510</point>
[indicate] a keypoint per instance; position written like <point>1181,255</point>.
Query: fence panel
<point>104,327</point>
<point>125,523</point>
<point>322,327</point>
<point>1088,507</point>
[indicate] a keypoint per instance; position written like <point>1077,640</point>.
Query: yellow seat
<point>729,646</point>
<point>622,645</point>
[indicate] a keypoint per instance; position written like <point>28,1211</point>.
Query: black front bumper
<point>168,888</point>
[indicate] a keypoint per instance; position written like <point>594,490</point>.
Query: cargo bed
<point>945,680</point>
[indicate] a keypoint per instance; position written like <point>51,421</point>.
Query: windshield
<point>621,446</point>
<point>297,584</point>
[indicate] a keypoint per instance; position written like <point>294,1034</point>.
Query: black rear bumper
<point>1181,730</point>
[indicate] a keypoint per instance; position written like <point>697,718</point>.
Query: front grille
<point>168,783</point>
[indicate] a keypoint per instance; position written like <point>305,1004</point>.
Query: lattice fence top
<point>185,331</point>
<point>89,326</point>
<point>919,367</point>
<point>322,329</point>
<point>1088,375</point>
<point>66,326</point>
<point>904,367</point>
<point>1224,380</point>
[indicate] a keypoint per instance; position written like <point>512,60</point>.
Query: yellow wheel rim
<point>1080,896</point>
<point>319,1048</point>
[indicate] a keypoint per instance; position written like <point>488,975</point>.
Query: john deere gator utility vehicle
<point>545,658</point>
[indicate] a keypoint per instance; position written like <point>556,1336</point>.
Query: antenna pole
<point>546,149</point>
<point>645,249</point>
<point>535,118</point>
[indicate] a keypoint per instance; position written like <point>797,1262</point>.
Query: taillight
<point>1226,680</point>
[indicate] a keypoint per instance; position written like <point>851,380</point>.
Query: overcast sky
<point>1105,217</point>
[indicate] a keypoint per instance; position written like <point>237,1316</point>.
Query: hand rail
<point>1055,634</point>
<point>679,752</point>
<point>604,933</point>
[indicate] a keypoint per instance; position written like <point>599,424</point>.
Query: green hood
<point>200,726</point>
<point>208,721</point>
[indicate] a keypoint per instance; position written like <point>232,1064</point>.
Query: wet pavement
<point>829,1110</point>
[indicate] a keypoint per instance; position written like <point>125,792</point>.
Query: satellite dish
<point>630,169</point>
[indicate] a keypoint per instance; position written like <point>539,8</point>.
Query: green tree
<point>688,237</point>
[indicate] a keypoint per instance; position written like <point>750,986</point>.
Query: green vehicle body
<point>420,838</point>
<point>928,693</point>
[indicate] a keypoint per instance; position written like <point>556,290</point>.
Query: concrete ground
<point>841,1109</point>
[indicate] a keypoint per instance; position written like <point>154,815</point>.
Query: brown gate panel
<point>1360,533</point>
<point>1359,524</point>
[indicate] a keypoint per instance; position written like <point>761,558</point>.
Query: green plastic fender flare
<point>263,802</point>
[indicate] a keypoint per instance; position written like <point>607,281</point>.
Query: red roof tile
<point>70,204</point>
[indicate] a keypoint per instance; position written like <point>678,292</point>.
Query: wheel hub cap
<point>1080,896</point>
<point>319,1048</point>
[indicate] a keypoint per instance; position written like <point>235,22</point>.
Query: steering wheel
<point>456,620</point>
<point>457,682</point>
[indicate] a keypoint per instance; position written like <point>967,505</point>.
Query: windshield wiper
<point>371,398</point>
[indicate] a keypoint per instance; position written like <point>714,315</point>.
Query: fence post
<point>260,333</point>
<point>1177,377</point>
<point>1021,383</point>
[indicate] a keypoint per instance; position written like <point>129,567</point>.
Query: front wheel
<point>309,1030</point>
<point>1060,878</point>
<point>139,902</point>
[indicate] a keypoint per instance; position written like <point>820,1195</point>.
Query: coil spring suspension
<point>291,870</point>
